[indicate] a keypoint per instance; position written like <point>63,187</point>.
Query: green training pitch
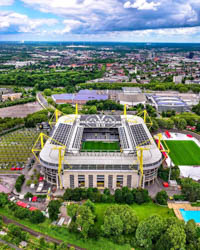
<point>98,146</point>
<point>184,153</point>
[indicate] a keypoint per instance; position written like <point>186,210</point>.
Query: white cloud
<point>185,12</point>
<point>73,7</point>
<point>142,5</point>
<point>21,23</point>
<point>6,2</point>
<point>69,25</point>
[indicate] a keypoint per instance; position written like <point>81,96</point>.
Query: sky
<point>100,20</point>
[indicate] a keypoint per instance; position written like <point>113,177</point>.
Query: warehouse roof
<point>85,95</point>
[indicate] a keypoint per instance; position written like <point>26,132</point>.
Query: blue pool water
<point>189,215</point>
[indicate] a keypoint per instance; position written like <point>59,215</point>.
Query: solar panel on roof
<point>140,135</point>
<point>61,134</point>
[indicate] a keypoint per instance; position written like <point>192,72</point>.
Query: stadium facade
<point>105,167</point>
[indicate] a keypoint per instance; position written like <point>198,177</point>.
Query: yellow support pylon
<point>125,113</point>
<point>48,194</point>
<point>159,140</point>
<point>162,149</point>
<point>76,109</point>
<point>61,154</point>
<point>61,148</point>
<point>140,160</point>
<point>145,115</point>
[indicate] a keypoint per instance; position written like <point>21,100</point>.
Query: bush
<point>19,182</point>
<point>3,199</point>
<point>179,197</point>
<point>124,195</point>
<point>54,208</point>
<point>28,195</point>
<point>162,197</point>
<point>37,217</point>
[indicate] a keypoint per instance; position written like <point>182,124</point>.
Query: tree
<point>119,196</point>
<point>198,127</point>
<point>191,231</point>
<point>181,124</point>
<point>85,220</point>
<point>90,204</point>
<point>37,217</point>
<point>92,110</point>
<point>53,209</point>
<point>162,197</point>
<point>72,211</point>
<point>174,237</point>
<point>62,246</point>
<point>113,225</point>
<point>149,230</point>
<point>129,199</point>
<point>47,92</point>
<point>155,125</point>
<point>42,243</point>
<point>3,199</point>
<point>118,220</point>
<point>68,194</point>
<point>19,182</point>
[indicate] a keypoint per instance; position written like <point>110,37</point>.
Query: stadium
<point>103,151</point>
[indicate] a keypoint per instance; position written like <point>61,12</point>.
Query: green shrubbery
<point>17,102</point>
<point>162,197</point>
<point>124,195</point>
<point>190,189</point>
<point>19,182</point>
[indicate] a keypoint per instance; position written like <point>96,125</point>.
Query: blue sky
<point>100,20</point>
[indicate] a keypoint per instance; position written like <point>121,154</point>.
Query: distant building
<point>196,81</point>
<point>191,55</point>
<point>164,103</point>
<point>131,96</point>
<point>11,97</point>
<point>81,97</point>
<point>131,90</point>
<point>178,79</point>
<point>132,100</point>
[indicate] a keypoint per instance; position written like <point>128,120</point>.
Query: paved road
<point>9,244</point>
<point>37,234</point>
<point>42,101</point>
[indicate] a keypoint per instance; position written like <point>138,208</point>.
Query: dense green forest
<point>43,80</point>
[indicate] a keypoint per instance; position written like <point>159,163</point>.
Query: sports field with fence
<point>98,146</point>
<point>184,153</point>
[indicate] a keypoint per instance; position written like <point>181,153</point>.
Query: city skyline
<point>89,20</point>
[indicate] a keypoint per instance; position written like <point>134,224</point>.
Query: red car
<point>13,168</point>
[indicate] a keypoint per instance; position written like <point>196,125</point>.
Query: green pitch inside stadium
<point>100,146</point>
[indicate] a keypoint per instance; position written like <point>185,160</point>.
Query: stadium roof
<point>169,101</point>
<point>132,90</point>
<point>82,95</point>
<point>140,97</point>
<point>151,156</point>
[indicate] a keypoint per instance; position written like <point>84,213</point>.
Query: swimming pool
<point>189,215</point>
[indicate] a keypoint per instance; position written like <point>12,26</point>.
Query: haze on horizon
<point>100,20</point>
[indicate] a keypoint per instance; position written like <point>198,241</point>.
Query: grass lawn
<point>184,152</point>
<point>142,211</point>
<point>100,146</point>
